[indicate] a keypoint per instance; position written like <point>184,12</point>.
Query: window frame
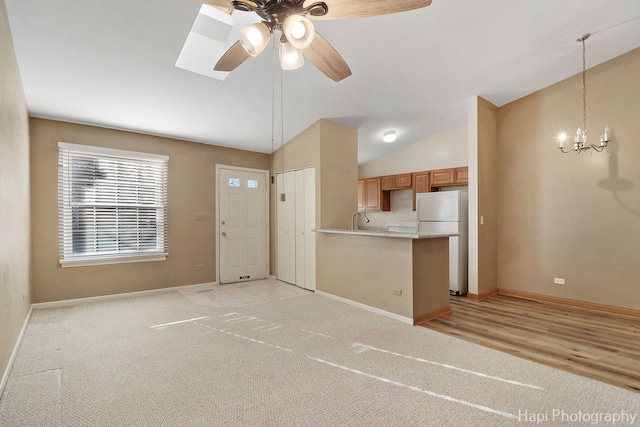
<point>65,206</point>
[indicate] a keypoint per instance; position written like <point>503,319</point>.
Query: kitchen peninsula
<point>401,275</point>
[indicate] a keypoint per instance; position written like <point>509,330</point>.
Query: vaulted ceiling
<point>111,63</point>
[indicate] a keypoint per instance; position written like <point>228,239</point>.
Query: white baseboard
<point>16,347</point>
<point>367,307</point>
<point>70,302</point>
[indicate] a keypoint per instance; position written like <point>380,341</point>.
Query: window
<point>252,183</point>
<point>234,182</point>
<point>112,205</point>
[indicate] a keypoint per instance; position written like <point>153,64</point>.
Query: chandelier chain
<point>584,89</point>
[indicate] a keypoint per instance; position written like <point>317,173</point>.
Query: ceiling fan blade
<point>223,5</point>
<point>345,9</point>
<point>233,57</point>
<point>326,59</point>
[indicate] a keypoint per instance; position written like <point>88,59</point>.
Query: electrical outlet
<point>558,281</point>
<point>199,216</point>
<point>397,292</point>
<point>200,267</point>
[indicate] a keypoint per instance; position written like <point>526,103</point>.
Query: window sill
<point>115,260</point>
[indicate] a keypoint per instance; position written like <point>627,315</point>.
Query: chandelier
<point>580,139</point>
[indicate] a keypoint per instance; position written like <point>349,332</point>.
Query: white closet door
<point>296,217</point>
<point>310,224</point>
<point>286,222</point>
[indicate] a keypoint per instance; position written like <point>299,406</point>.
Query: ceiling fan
<point>298,37</point>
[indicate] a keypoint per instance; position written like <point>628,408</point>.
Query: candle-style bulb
<point>578,137</point>
<point>561,139</point>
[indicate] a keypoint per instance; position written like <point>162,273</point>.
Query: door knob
<point>224,234</point>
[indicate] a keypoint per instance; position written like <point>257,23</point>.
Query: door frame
<point>267,220</point>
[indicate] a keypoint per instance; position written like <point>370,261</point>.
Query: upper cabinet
<point>448,177</point>
<point>396,182</point>
<point>462,175</point>
<point>371,197</point>
<point>361,195</point>
<point>420,184</point>
<point>374,194</point>
<point>441,177</point>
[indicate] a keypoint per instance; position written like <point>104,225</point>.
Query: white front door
<point>242,224</point>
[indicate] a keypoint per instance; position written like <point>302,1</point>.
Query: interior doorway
<point>243,224</point>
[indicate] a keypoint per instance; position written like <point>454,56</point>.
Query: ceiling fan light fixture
<point>255,38</point>
<point>389,136</point>
<point>298,30</point>
<point>290,57</point>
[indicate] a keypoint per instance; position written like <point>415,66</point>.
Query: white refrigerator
<point>447,212</point>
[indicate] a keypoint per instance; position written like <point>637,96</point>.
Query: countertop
<point>384,233</point>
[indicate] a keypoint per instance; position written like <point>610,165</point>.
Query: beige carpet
<point>306,360</point>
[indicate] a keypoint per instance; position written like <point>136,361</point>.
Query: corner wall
<point>487,198</point>
<point>333,150</point>
<point>15,293</point>
<point>192,188</point>
<point>575,217</point>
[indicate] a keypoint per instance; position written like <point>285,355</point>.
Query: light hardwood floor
<point>597,345</point>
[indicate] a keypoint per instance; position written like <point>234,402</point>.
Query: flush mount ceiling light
<point>291,18</point>
<point>580,139</point>
<point>389,136</point>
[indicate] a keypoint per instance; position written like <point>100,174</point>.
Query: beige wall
<point>333,150</point>
<point>486,215</point>
<point>367,269</point>
<point>338,174</point>
<point>444,150</point>
<point>15,294</point>
<point>430,276</point>
<point>192,184</point>
<point>562,215</point>
<point>483,218</point>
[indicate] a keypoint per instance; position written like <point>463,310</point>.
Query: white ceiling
<point>111,63</point>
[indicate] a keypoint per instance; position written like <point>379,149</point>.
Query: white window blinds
<point>112,205</point>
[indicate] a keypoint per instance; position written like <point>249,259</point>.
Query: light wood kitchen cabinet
<point>462,175</point>
<point>442,177</point>
<point>448,177</point>
<point>396,182</point>
<point>361,195</point>
<point>371,197</point>
<point>374,194</point>
<point>420,184</point>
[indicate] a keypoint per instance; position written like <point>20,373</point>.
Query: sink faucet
<point>353,219</point>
